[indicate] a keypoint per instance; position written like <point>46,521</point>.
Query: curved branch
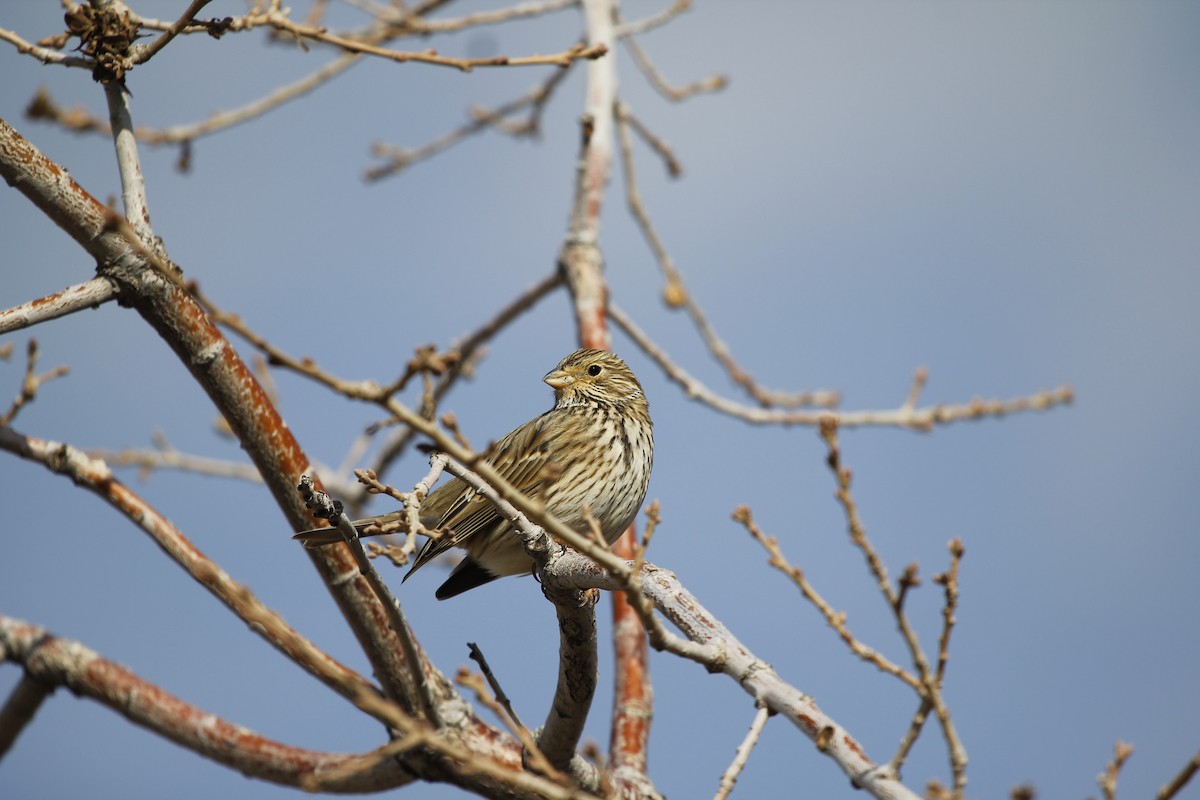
<point>60,662</point>
<point>711,644</point>
<point>228,381</point>
<point>95,476</point>
<point>578,672</point>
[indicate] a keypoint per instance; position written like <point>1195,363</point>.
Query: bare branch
<point>43,54</point>
<point>144,53</point>
<point>1179,781</point>
<point>675,294</point>
<point>708,642</point>
<point>167,457</point>
<point>655,21</point>
<point>31,383</point>
<point>730,776</point>
<point>400,158</point>
<point>578,672</point>
<point>500,706</point>
<point>419,676</point>
<point>505,705</point>
<point>469,347</point>
<point>59,662</point>
<point>1108,779</point>
<point>77,119</point>
<point>713,83</point>
<point>95,476</point>
<point>414,23</point>
<point>633,695</point>
<point>283,24</point>
<point>19,710</point>
<point>627,118</point>
<point>917,419</point>
<point>835,619</point>
<point>216,367</point>
<point>712,645</point>
<point>90,294</point>
<point>931,680</point>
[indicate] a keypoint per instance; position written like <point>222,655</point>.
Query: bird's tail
<point>370,526</point>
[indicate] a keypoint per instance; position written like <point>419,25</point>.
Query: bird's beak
<point>558,379</point>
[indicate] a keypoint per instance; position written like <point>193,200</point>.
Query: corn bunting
<point>593,451</point>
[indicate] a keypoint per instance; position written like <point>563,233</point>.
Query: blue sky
<point>1007,193</point>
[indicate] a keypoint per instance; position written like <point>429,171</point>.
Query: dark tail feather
<point>319,537</point>
<point>467,575</point>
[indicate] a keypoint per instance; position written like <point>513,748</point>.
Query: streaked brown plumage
<point>595,448</point>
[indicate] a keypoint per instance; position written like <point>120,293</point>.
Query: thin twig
<point>949,582</point>
<point>675,293</point>
<point>1108,779</point>
<point>170,458</point>
<point>915,726</point>
<point>835,619</point>
<point>318,34</point>
<point>655,143</point>
<point>1179,781</point>
<point>931,684</point>
<point>917,419</point>
<point>501,706</point>
<point>625,29</point>
<point>418,686</point>
<point>742,755</point>
<point>410,22</point>
<point>400,158</point>
<point>30,383</point>
<point>142,54</point>
<point>497,690</point>
<point>78,120</point>
<point>713,83</point>
<point>469,348</point>
<point>920,378</point>
<point>44,54</point>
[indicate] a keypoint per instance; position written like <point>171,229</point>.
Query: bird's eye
<point>595,369</point>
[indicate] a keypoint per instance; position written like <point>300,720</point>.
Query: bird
<point>591,453</point>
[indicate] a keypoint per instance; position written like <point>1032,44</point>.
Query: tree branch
<point>730,776</point>
<point>916,419</point>
<point>60,662</point>
<point>90,294</point>
<point>709,643</point>
<point>20,708</point>
<point>218,369</point>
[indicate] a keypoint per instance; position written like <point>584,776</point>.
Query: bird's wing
<point>461,512</point>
